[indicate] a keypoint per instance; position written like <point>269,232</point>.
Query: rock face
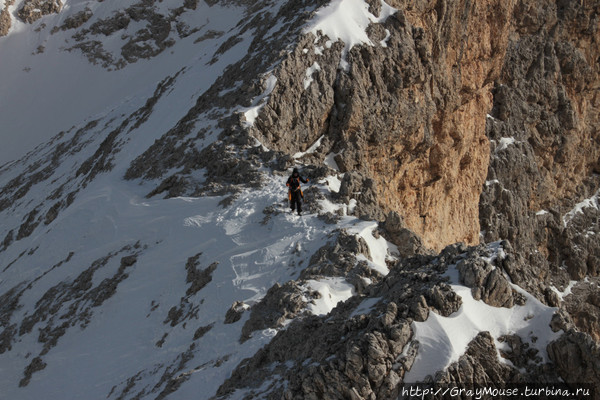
<point>5,20</point>
<point>33,10</point>
<point>544,130</point>
<point>542,186</point>
<point>461,125</point>
<point>364,347</point>
<point>410,116</point>
<point>576,357</point>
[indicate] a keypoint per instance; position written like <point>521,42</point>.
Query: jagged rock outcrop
<point>543,178</point>
<point>407,242</point>
<point>33,10</point>
<point>488,282</point>
<point>478,366</point>
<point>281,303</point>
<point>364,346</point>
<point>576,357</point>
<point>234,314</point>
<point>583,307</point>
<point>5,19</point>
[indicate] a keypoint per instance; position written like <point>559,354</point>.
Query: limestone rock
<point>577,358</point>
<point>33,10</point>
<point>339,259</point>
<point>543,130</point>
<point>478,366</point>
<point>487,283</point>
<point>395,231</point>
<point>281,302</point>
<point>5,18</point>
<point>583,307</point>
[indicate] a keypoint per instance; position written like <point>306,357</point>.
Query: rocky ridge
<point>493,140</point>
<point>365,346</point>
<point>519,100</point>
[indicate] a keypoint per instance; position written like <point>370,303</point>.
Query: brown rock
<point>33,10</point>
<point>577,358</point>
<point>406,116</point>
<point>5,20</point>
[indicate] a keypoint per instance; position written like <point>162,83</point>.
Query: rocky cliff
<point>408,113</point>
<point>461,134</point>
<point>475,122</point>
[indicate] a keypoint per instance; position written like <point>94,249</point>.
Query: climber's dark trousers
<point>296,201</point>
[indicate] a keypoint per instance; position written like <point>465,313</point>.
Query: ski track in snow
<point>120,340</point>
<point>253,250</point>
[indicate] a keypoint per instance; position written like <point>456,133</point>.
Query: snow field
<point>346,20</point>
<point>442,340</point>
<point>62,88</point>
<point>253,252</point>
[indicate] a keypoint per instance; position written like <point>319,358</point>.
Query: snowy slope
<point>57,89</point>
<point>99,300</point>
<point>118,340</point>
<point>109,292</point>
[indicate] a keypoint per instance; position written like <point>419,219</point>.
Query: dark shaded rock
<point>74,21</point>
<point>36,365</point>
<point>198,278</point>
<point>128,261</point>
<point>234,314</point>
<point>281,303</point>
<point>577,358</point>
<point>203,330</point>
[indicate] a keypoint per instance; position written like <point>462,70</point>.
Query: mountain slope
<point>147,248</point>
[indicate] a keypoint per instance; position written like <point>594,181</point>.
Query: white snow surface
<point>566,292</point>
<point>442,340</point>
<point>332,290</point>
<point>43,94</point>
<point>504,143</point>
<point>347,20</point>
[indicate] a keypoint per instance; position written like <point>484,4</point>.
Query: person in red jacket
<point>295,194</point>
